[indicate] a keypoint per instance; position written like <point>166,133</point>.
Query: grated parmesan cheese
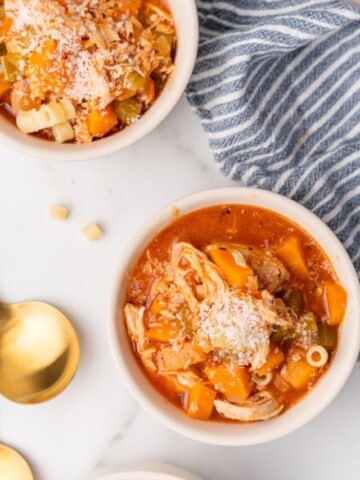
<point>238,327</point>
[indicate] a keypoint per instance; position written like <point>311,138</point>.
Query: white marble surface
<point>95,423</point>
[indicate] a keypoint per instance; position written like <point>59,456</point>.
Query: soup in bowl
<point>233,323</point>
<point>101,73</point>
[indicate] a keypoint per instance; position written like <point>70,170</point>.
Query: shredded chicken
<point>261,406</point>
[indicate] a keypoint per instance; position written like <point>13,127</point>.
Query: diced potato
<point>58,212</point>
<point>167,331</point>
<point>291,252</point>
<point>335,298</point>
<point>172,359</point>
<point>298,373</point>
<point>274,360</point>
<point>200,402</point>
<point>236,275</point>
<point>233,382</point>
<point>93,232</point>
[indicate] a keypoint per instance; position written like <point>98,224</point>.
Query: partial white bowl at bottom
<point>146,471</point>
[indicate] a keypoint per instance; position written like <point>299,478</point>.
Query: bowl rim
<point>185,59</point>
<point>189,428</point>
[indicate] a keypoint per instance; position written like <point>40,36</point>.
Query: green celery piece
<point>295,302</point>
<point>282,335</point>
<point>311,324</point>
<point>128,111</point>
<point>9,69</point>
<point>326,336</point>
<point>135,81</point>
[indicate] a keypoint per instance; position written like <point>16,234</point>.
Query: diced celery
<point>295,302</point>
<point>135,81</point>
<point>3,49</point>
<point>9,69</point>
<point>128,111</point>
<point>326,335</point>
<point>282,335</point>
<point>310,322</point>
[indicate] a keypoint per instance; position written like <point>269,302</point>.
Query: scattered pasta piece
<point>58,212</point>
<point>317,356</point>
<point>93,232</point>
<point>63,132</point>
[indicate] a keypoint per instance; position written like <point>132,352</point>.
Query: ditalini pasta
<point>77,71</point>
<point>233,313</point>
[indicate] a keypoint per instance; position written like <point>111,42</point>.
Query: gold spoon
<point>39,352</point>
<point>13,466</point>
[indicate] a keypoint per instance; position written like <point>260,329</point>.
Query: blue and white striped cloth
<point>277,88</point>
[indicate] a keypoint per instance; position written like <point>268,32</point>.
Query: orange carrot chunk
<point>236,275</point>
<point>335,298</point>
<point>6,25</point>
<point>291,252</point>
<point>299,373</point>
<point>5,87</point>
<point>164,332</point>
<point>234,382</point>
<point>200,402</point>
<point>274,360</point>
<point>102,121</point>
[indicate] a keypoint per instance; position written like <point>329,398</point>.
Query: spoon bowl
<point>39,352</point>
<point>13,466</point>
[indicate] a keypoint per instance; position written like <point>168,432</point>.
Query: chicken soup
<point>76,71</point>
<point>233,313</point>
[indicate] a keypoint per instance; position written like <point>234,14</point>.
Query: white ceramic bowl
<point>186,22</point>
<point>313,403</point>
<point>145,471</point>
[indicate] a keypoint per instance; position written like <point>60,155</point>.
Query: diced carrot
<point>236,275</point>
<point>49,70</point>
<point>102,121</point>
<point>291,252</point>
<point>200,402</point>
<point>168,330</point>
<point>179,359</point>
<point>274,360</point>
<point>335,298</point>
<point>298,373</point>
<point>40,60</point>
<point>157,305</point>
<point>234,382</point>
<point>5,87</point>
<point>6,25</point>
<point>149,91</point>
